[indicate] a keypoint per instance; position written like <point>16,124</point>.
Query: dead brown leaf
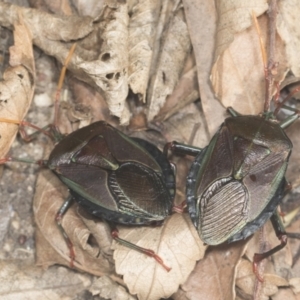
<point>295,283</point>
<point>201,20</point>
<point>288,14</point>
<point>18,85</point>
<point>108,289</point>
<point>185,92</point>
<point>103,67</point>
<point>176,242</point>
<point>174,52</point>
<point>142,30</point>
<point>214,276</point>
<point>21,281</point>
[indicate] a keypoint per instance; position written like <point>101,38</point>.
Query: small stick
<point>60,83</point>
<point>272,65</point>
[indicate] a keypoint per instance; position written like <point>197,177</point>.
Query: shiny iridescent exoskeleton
<point>120,179</point>
<point>237,181</point>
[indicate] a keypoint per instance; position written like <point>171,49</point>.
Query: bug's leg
<point>58,219</point>
<point>282,236</point>
<point>145,251</point>
<point>179,148</point>
<point>179,208</point>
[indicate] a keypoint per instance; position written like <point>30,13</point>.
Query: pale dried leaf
<point>142,30</point>
<point>285,294</point>
<point>50,194</point>
<point>91,8</point>
<point>201,20</point>
<point>110,71</point>
<point>295,284</point>
<point>176,242</point>
<point>185,92</point>
<point>187,127</point>
<point>214,276</point>
<point>103,67</point>
<point>235,17</point>
<point>237,73</point>
<point>175,50</point>
<point>21,281</point>
<point>288,29</point>
<point>17,87</point>
<point>108,289</point>
<point>61,29</point>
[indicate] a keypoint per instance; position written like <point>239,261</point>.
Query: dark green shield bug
<point>235,184</point>
<point>112,176</point>
<point>121,179</point>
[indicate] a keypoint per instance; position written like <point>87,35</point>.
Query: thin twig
<point>272,64</point>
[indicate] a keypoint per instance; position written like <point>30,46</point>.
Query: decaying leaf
<point>142,30</point>
<point>295,283</point>
<point>176,242</point>
<point>185,92</point>
<point>214,276</point>
<point>288,13</point>
<point>101,58</point>
<point>21,281</point>
<point>237,74</point>
<point>201,20</point>
<point>18,85</point>
<point>108,289</point>
<point>171,61</point>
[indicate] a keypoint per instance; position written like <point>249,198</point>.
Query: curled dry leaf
<point>185,92</point>
<point>237,74</point>
<point>174,51</point>
<point>214,275</point>
<point>176,242</point>
<point>110,70</point>
<point>201,20</point>
<point>295,284</point>
<point>108,289</point>
<point>17,86</point>
<point>142,30</point>
<point>101,58</point>
<point>20,280</point>
<point>90,257</point>
<point>63,28</point>
<point>289,32</point>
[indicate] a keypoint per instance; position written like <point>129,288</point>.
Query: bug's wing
<point>221,200</point>
<point>140,191</point>
<point>133,190</point>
